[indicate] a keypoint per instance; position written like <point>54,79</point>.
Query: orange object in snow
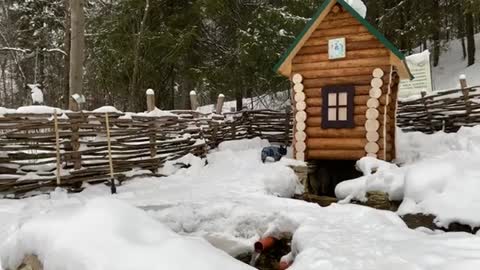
<point>284,265</point>
<point>264,244</point>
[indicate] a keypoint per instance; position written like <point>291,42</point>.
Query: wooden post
<point>288,114</point>
<point>429,115</point>
<point>214,135</point>
<point>57,146</point>
<point>193,100</point>
<point>150,100</point>
<point>110,161</point>
<point>465,91</point>
<point>75,142</point>
<point>233,130</point>
<point>220,101</point>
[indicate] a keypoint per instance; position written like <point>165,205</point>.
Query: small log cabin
<point>345,77</point>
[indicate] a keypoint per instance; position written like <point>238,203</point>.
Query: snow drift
<point>440,177</point>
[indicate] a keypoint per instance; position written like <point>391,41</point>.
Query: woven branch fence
<point>441,111</point>
<point>46,151</point>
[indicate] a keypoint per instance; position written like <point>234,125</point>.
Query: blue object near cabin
<point>275,152</point>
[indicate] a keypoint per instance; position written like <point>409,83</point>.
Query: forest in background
<point>174,47</point>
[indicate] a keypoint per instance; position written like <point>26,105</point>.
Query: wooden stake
<point>463,85</point>
<point>220,101</point>
<point>193,100</point>
<point>150,100</point>
<point>57,146</point>
<point>109,145</point>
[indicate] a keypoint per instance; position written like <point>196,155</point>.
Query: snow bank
<point>106,109</point>
<point>102,235</point>
<point>156,113</point>
<point>440,177</point>
<point>378,176</point>
<point>38,109</point>
<point>241,145</point>
<point>4,111</point>
<point>415,146</point>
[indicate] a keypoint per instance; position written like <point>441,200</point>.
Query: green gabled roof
<point>357,16</point>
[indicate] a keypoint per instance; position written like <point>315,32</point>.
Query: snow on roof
<point>419,58</point>
<point>358,6</point>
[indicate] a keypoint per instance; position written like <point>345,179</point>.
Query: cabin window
<point>338,109</point>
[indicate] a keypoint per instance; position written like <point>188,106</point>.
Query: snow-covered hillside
<point>451,66</point>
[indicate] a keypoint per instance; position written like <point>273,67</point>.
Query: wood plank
<point>317,91</point>
<point>351,54</point>
<point>359,120</point>
<point>343,72</point>
<point>322,82</point>
<point>372,62</point>
<point>336,143</point>
<point>358,110</point>
<point>336,154</point>
<point>357,100</point>
<point>339,16</point>
<point>316,132</point>
<point>340,31</point>
<point>361,45</point>
<point>314,41</point>
<point>338,23</point>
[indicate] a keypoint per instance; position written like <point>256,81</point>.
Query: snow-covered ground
<point>440,176</point>
<point>159,223</point>
<point>451,66</point>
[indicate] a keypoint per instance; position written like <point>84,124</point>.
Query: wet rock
<point>378,200</point>
<point>31,262</point>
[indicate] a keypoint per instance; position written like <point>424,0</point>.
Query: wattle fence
<point>43,151</point>
<point>440,111</point>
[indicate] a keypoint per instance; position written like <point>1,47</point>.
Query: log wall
<point>364,54</point>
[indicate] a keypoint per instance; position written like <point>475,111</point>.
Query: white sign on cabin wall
<point>337,48</point>
<point>419,65</point>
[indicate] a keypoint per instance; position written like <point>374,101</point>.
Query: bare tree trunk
<point>67,42</point>
<point>136,58</point>
<point>436,33</point>
<point>470,38</point>
<point>239,99</point>
<point>76,50</point>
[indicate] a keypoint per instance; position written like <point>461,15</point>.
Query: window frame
<point>338,89</point>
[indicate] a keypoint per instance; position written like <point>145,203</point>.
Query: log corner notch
<point>300,137</point>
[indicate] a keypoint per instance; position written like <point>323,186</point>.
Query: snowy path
<point>231,202</point>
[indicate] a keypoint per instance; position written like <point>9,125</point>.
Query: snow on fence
<point>444,110</point>
<point>137,143</point>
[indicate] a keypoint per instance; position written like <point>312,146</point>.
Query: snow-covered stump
<point>302,173</point>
